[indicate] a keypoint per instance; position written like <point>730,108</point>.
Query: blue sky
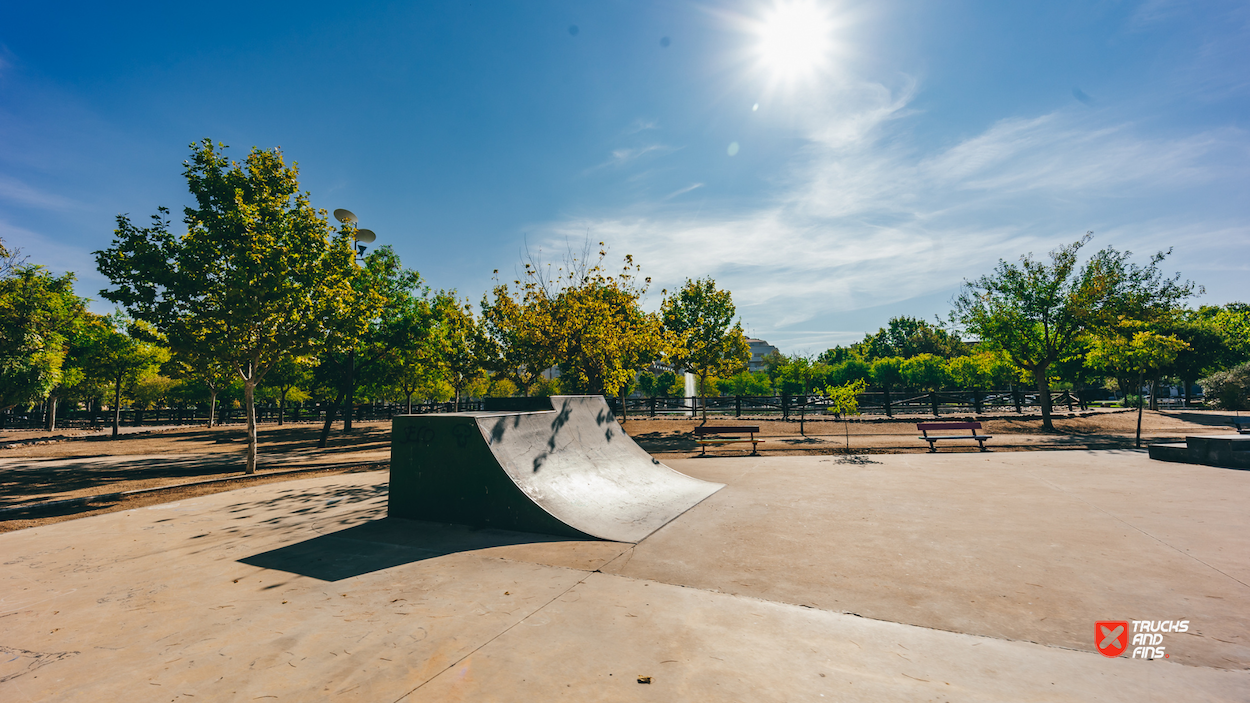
<point>882,151</point>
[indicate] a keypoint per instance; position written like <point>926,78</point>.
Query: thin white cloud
<point>625,155</point>
<point>863,219</point>
<point>683,191</point>
<point>16,191</point>
<point>642,125</point>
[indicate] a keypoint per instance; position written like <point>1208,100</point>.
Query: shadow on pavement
<point>383,544</point>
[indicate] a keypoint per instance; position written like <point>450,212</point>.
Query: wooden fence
<point>935,403</point>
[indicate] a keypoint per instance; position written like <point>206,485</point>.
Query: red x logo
<point>1111,637</point>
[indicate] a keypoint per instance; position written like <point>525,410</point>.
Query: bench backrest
<point>720,429</point>
<point>948,425</point>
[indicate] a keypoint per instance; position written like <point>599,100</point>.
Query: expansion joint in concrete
<point>501,633</point>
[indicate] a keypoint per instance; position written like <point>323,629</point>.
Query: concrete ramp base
<point>569,471</point>
<point>1231,451</point>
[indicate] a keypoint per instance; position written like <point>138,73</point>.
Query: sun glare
<point>794,38</point>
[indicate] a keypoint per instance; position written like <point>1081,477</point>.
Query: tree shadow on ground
<point>663,442</point>
<point>384,544</point>
<point>33,480</point>
<point>1208,418</point>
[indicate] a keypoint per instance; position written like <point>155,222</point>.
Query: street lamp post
<point>362,237</point>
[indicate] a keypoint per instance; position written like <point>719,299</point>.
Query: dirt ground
<point>42,466</point>
<point>1095,429</point>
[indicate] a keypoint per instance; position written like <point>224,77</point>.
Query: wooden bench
<point>704,430</point>
<point>926,427</point>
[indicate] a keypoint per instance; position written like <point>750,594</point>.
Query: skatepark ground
<point>887,577</point>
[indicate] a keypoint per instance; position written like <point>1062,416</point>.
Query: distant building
<point>759,350</point>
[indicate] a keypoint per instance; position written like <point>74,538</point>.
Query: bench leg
<point>932,447</point>
<point>982,443</point>
<point>755,451</point>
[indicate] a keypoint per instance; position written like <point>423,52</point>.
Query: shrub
<point>1228,389</point>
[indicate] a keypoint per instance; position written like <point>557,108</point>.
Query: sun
<point>794,39</point>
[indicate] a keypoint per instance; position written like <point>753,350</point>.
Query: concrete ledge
<point>1228,451</point>
<point>1170,452</point>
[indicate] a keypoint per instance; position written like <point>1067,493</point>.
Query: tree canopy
<point>1035,311</point>
<point>39,314</point>
<point>256,276</point>
<point>706,338</point>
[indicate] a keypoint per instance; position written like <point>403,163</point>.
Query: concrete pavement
<point>979,577</point>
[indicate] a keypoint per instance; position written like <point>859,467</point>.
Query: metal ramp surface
<point>569,471</point>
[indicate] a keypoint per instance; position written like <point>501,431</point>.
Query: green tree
<point>968,372</point>
<point>1232,322</point>
<point>457,342</point>
<point>1135,351</point>
<point>386,312</point>
<point>667,384</point>
<point>706,339</point>
<point>602,334</point>
<point>201,367</point>
<point>516,340</point>
<point>1035,311</point>
<point>255,278</point>
<point>582,317</point>
<point>887,373</point>
<point>850,370</point>
<point>1205,349</point>
<point>648,384</point>
<point>152,390</point>
<point>844,402</point>
<point>800,375</point>
<point>120,358</point>
<point>907,337</point>
<point>287,374</point>
<point>39,315</point>
<point>926,372</point>
<point>747,383</point>
<point>837,355</point>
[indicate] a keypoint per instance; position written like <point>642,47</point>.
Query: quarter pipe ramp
<point>570,471</point>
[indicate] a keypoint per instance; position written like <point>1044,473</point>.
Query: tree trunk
<point>1043,390</point>
<point>624,411</point>
<point>409,403</point>
<point>803,413</point>
<point>349,409</point>
<point>325,429</point>
<point>1187,385</point>
<point>889,411</point>
<point>249,401</point>
<point>51,413</point>
<point>282,407</point>
<point>212,407</point>
<point>117,407</point>
<point>1154,394</point>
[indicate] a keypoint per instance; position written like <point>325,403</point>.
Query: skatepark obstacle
<point>1229,450</point>
<point>569,470</point>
